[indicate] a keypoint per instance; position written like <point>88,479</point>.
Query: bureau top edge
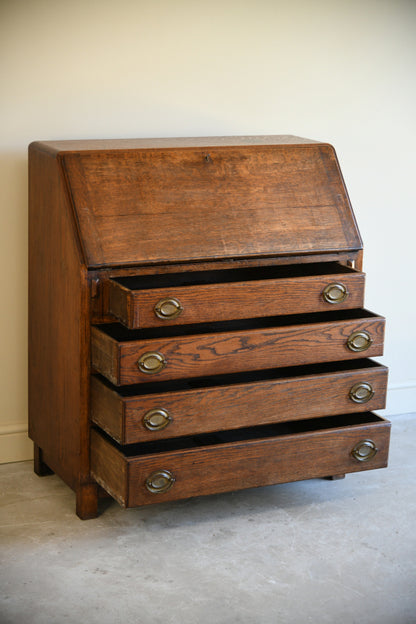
<point>71,145</point>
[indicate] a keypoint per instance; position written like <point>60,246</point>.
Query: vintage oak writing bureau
<point>196,318</point>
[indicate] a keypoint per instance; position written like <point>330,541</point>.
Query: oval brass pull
<point>361,392</point>
<point>151,362</point>
<point>160,481</point>
<point>335,293</point>
<point>364,450</point>
<point>359,341</point>
<point>168,308</point>
<point>156,419</point>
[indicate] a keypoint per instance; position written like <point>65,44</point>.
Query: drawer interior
<point>223,276</point>
<point>242,435</point>
<point>122,334</point>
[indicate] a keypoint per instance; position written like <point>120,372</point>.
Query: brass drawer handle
<point>359,341</point>
<point>361,392</point>
<point>335,293</point>
<point>151,362</point>
<point>169,308</point>
<point>160,481</point>
<point>364,450</point>
<point>156,419</point>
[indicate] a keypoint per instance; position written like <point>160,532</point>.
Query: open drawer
<point>151,411</point>
<point>154,472</point>
<point>138,356</point>
<point>205,296</point>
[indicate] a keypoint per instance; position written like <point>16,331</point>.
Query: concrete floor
<point>316,551</point>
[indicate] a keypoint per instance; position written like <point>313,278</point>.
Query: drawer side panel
<point>109,468</point>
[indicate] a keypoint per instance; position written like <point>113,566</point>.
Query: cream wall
<point>341,71</point>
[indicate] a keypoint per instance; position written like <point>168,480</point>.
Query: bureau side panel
<point>58,325</point>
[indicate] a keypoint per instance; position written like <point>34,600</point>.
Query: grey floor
<point>315,551</point>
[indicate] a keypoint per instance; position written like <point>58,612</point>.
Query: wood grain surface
<point>87,145</point>
<point>234,300</point>
<point>236,465</point>
<point>151,206</point>
<point>58,325</point>
<point>197,355</point>
<point>221,407</point>
<point>59,339</point>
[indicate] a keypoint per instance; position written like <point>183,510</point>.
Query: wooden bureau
<point>196,318</point>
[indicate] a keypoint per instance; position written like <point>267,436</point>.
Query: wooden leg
<point>39,466</point>
<point>336,477</point>
<point>87,501</point>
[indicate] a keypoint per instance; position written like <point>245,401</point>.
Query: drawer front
<point>180,305</point>
<point>228,466</point>
<point>139,418</point>
<point>197,355</point>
